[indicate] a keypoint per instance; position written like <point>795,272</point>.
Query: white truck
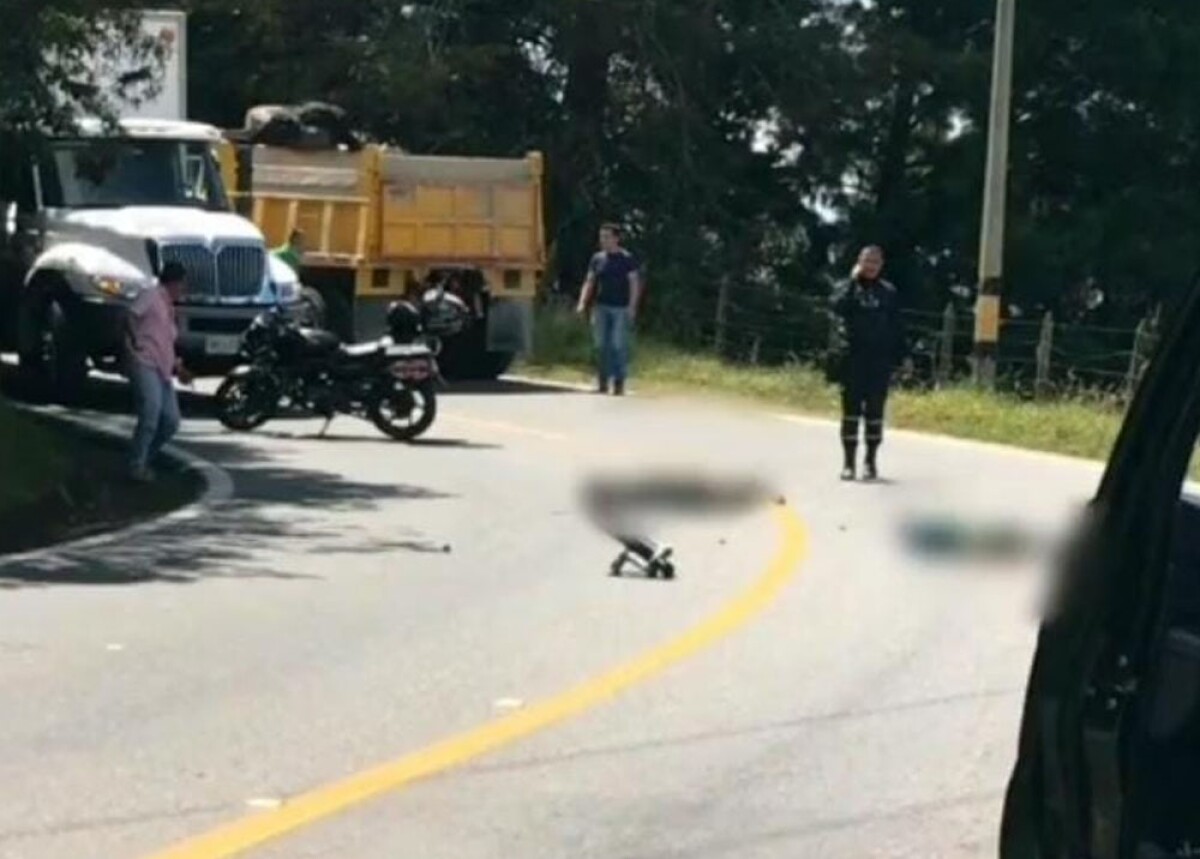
<point>89,219</point>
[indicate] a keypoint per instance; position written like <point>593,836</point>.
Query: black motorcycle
<point>391,381</point>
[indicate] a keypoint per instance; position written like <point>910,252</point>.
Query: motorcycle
<point>390,382</point>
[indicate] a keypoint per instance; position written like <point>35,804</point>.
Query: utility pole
<point>991,243</point>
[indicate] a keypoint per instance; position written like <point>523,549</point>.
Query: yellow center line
<point>324,802</point>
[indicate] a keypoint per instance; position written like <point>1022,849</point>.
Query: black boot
<point>850,460</point>
<point>871,469</point>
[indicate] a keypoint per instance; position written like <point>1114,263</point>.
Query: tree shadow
<point>275,508</point>
<point>798,725</point>
<point>454,443</point>
<point>105,394</point>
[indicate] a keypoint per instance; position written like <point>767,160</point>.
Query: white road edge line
<point>546,383</point>
<point>218,488</point>
<point>811,420</point>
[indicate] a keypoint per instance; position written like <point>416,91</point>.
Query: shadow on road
<point>781,729</point>
<point>107,395</point>
<point>110,396</point>
<point>275,507</point>
<point>377,439</point>
<point>506,386</point>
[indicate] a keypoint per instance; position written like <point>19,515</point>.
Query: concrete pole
<point>991,243</point>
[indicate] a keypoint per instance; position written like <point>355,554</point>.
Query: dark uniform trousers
<point>864,397</point>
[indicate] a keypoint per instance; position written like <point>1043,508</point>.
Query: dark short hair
<point>609,226</point>
<point>173,272</point>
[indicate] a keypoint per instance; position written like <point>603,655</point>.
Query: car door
<point>1109,751</point>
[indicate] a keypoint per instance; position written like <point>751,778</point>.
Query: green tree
<point>48,61</point>
<point>750,146</point>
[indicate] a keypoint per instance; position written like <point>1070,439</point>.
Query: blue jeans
<point>611,328</point>
<point>157,408</point>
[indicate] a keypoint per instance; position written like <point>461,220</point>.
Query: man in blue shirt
<point>614,288</point>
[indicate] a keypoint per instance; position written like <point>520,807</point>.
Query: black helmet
<point>403,322</point>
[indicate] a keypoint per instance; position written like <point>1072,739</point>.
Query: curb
<point>547,383</point>
<point>218,488</point>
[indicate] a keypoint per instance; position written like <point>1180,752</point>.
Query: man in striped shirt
<point>152,366</point>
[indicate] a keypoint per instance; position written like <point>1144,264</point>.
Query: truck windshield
<point>112,173</point>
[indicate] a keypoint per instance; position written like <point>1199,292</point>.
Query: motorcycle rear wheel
<point>403,401</point>
<point>244,403</point>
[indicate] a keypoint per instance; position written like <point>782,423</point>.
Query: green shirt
<point>288,254</point>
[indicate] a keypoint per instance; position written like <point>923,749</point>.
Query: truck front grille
<point>241,269</point>
<point>200,264</point>
<point>231,271</point>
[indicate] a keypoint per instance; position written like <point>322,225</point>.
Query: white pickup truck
<point>88,220</point>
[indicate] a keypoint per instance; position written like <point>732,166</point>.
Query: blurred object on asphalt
<point>629,508</point>
<point>951,538</point>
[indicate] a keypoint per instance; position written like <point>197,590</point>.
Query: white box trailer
<point>169,29</point>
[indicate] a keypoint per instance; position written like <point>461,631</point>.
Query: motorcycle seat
<point>319,341</point>
<point>408,350</point>
<point>362,350</point>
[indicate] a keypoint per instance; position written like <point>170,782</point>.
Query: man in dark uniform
<point>868,309</point>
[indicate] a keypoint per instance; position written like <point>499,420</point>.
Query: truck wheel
<point>54,365</point>
<point>493,365</point>
<point>466,359</point>
<point>339,315</point>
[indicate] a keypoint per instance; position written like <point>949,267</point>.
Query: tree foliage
<point>749,145</point>
<point>55,59</point>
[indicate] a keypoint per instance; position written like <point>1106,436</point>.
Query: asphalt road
<point>358,602</point>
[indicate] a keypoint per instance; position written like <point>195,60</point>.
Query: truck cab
<point>90,218</point>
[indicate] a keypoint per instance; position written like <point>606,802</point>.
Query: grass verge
<point>32,462</point>
<point>61,484</point>
<point>1074,427</point>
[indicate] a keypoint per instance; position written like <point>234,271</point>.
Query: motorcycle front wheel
<point>403,412</point>
<point>246,401</point>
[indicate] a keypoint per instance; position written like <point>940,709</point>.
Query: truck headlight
<point>114,287</point>
<point>287,292</point>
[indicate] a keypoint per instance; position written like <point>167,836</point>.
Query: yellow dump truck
<point>380,223</point>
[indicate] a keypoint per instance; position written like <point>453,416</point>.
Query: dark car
<point>1109,755</point>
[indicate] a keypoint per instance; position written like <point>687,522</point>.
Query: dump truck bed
<point>385,208</point>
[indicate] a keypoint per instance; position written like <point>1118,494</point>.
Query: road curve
<point>360,604</point>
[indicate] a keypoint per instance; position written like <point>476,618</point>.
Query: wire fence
<point>1036,358</point>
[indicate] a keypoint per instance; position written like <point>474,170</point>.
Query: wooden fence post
<point>1045,351</point>
<point>945,352</point>
<point>1144,340</point>
<point>722,318</point>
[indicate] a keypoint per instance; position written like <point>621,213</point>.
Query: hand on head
<point>869,264</point>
